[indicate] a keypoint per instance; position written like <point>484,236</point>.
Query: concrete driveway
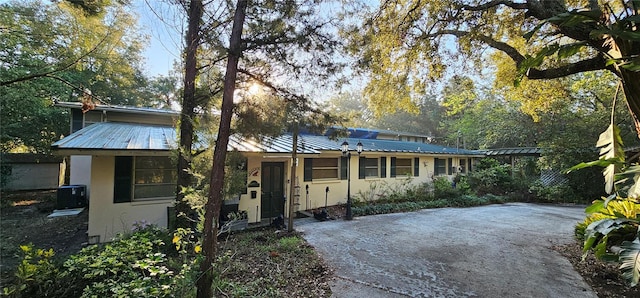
<point>488,251</point>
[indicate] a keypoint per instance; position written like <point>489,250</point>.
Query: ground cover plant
<point>150,262</point>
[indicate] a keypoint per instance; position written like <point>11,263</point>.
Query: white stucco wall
<point>107,219</point>
<point>80,171</point>
<point>337,188</point>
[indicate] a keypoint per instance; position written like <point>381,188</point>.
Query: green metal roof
<point>530,151</point>
<point>143,137</point>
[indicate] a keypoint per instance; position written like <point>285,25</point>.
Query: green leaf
<point>600,163</point>
<point>605,226</point>
<point>610,144</point>
<point>601,248</point>
<point>633,65</point>
<point>630,258</point>
<point>595,207</point>
<point>610,257</point>
<point>569,49</point>
<point>633,18</point>
<point>575,17</point>
<point>588,243</point>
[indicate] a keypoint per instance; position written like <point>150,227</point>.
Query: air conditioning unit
<point>71,196</point>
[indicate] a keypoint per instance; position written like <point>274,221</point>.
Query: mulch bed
<point>604,278</point>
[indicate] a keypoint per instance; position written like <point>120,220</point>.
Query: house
<point>30,171</point>
<point>126,164</point>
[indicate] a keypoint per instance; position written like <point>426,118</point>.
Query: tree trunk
<point>212,208</point>
<point>183,209</point>
<point>292,182</point>
<point>631,87</point>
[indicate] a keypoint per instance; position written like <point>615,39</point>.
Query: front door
<point>272,198</point>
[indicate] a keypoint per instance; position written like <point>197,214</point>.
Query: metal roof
<point>531,151</point>
<point>119,136</point>
<point>122,109</point>
<point>143,137</point>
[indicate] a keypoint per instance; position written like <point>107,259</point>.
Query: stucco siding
<point>80,171</point>
<point>107,219</point>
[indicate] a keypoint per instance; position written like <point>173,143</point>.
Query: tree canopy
<point>54,52</point>
<point>410,43</point>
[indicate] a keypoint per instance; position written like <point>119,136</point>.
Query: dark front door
<point>272,198</point>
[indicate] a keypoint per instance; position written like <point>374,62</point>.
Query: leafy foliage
<point>404,46</point>
<point>489,176</point>
<point>53,52</point>
<point>614,221</point>
<point>132,265</point>
<point>35,274</point>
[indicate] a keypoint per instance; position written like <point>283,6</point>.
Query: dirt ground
<point>23,219</point>
<point>604,278</point>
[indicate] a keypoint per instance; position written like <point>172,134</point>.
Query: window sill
<point>325,181</point>
<point>152,201</point>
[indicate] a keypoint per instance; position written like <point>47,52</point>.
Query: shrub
<point>443,188</point>
<point>383,192</point>
<point>559,193</point>
<point>35,275</point>
<point>491,177</point>
<point>134,265</point>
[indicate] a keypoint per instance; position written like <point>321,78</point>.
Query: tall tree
<point>188,113</point>
<point>212,207</point>
<point>407,42</point>
<point>277,41</point>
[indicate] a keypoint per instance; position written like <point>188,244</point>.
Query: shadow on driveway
<point>489,251</point>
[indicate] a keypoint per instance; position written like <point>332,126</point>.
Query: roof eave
<point>109,152</point>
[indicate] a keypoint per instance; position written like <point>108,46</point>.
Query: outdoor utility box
<point>71,196</point>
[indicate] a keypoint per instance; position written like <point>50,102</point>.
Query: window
<point>325,168</point>
<point>401,167</point>
<point>92,117</point>
<point>144,178</point>
<point>440,166</point>
<point>155,177</point>
<point>368,167</point>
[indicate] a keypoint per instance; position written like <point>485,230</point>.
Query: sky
<point>164,26</point>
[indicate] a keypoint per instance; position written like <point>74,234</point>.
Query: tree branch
<point>495,3</point>
<point>59,69</point>
<point>595,63</point>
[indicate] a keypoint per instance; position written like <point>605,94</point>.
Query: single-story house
<point>127,167</point>
<point>30,171</point>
